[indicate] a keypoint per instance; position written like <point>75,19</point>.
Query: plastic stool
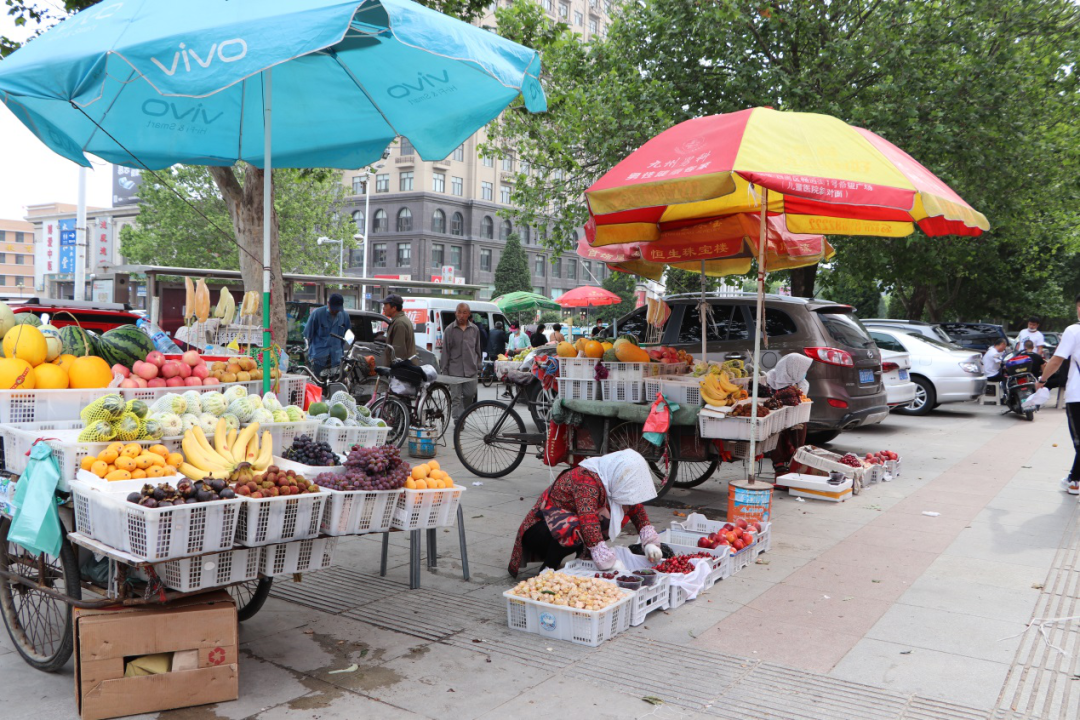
<point>432,552</point>
<point>990,394</point>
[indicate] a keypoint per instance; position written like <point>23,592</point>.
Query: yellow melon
<point>65,361</point>
<point>89,372</point>
<point>593,349</point>
<point>16,374</point>
<point>26,342</point>
<point>566,350</point>
<point>50,377</point>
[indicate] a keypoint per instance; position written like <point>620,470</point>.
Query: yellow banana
<point>725,383</point>
<point>711,398</point>
<point>192,472</point>
<point>196,456</point>
<point>239,452</point>
<point>207,448</point>
<point>253,448</point>
<point>231,439</point>
<point>221,434</point>
<point>266,452</point>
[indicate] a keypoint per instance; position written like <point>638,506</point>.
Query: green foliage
<point>169,232</point>
<point>622,285</point>
<point>839,287</point>
<point>512,272</point>
<point>551,316</point>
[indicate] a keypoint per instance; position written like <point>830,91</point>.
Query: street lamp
<point>369,173</point>
<point>341,251</point>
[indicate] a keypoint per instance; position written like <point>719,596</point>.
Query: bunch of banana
<point>718,390</point>
<point>229,450</point>
<point>735,368</point>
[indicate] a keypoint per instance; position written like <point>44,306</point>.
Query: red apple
<point>155,358</point>
<point>156,382</point>
<point>191,358</point>
<point>211,381</point>
<point>120,370</point>
<point>174,382</point>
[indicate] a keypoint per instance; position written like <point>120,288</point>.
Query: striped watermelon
<point>77,342</point>
<point>124,345</point>
<point>27,318</point>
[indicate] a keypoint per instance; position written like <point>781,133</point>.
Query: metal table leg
<point>385,550</point>
<point>414,559</point>
<point>461,543</point>
<point>432,552</point>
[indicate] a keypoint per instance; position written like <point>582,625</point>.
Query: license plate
<point>903,375</point>
<point>866,376</point>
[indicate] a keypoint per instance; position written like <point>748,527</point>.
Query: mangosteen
<point>148,502</point>
<point>159,493</point>
<point>185,488</point>
<point>191,501</point>
<point>227,494</point>
<point>148,489</point>
<point>164,503</point>
<point>134,497</point>
<point>217,485</point>
<point>204,496</point>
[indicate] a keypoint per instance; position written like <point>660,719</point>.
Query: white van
<point>430,316</point>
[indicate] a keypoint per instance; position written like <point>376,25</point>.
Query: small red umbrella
<point>588,296</point>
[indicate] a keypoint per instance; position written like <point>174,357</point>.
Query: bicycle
<point>429,408</point>
<point>487,373</point>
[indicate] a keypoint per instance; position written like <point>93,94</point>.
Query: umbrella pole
<point>702,312</point>
<point>267,215</point>
<point>758,332</point>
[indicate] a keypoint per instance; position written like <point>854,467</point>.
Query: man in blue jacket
<point>324,350</point>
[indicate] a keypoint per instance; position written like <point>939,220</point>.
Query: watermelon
<point>124,345</point>
<point>77,341</point>
<point>27,318</point>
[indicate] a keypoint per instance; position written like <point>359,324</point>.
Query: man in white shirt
<point>1068,350</point>
<point>1031,332</point>
<point>992,361</point>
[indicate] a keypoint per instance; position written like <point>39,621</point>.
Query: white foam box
<point>815,487</point>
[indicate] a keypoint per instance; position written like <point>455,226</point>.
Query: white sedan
<point>895,373</point>
<point>942,372</point>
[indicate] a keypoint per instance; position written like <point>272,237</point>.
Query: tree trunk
<point>915,304</point>
<point>802,281</point>
<point>245,205</point>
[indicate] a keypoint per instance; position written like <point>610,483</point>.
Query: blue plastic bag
<point>36,522</point>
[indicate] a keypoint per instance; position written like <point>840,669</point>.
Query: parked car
<point>845,379</point>
<point>895,373</point>
<point>942,373</point>
<point>915,327</point>
<point>95,316</point>
<point>976,336</point>
<point>1052,341</point>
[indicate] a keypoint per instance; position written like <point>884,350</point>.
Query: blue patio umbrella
<point>152,83</point>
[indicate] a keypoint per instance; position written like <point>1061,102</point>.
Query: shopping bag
<point>312,394</point>
<point>1037,399</point>
<point>557,443</point>
<point>36,523</point>
<point>658,420</point>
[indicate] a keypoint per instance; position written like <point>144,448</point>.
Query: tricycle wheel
<point>39,624</point>
<point>250,597</point>
<point>627,436</point>
<point>692,473</point>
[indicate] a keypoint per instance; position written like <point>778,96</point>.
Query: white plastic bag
<point>1037,399</point>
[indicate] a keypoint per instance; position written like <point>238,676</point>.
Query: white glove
<point>653,553</point>
<point>618,567</point>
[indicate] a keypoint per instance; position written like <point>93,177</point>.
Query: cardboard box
<point>204,625</point>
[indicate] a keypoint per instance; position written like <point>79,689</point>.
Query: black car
<point>976,336</point>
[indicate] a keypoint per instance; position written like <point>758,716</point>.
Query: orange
<point>65,361</point>
<point>99,468</point>
<point>109,456</point>
<point>125,463</point>
<point>118,475</point>
<point>434,465</point>
<point>132,450</point>
<point>145,460</point>
<point>138,474</point>
<point>89,372</point>
<point>175,459</point>
<point>87,462</point>
<point>155,471</point>
<point>159,450</point>
<point>421,485</point>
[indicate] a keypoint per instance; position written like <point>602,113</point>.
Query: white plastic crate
<point>243,334</point>
<point>578,368</point>
<point>154,534</point>
<point>298,557</point>
<point>697,525</point>
<point>357,512</point>
<point>27,406</point>
<point>685,543</point>
<point>670,369</point>
<point>556,622</point>
<point>684,391</point>
<point>631,371</point>
<point>741,448</point>
<point>149,395</point>
<point>280,519</point>
<point>629,391</point>
<point>423,509</point>
<point>342,439</point>
<point>208,571</point>
<point>648,598</point>
<point>570,389</point>
<point>801,413</point>
<point>284,433</point>
<point>291,389</point>
<point>821,459</point>
<point>736,428</point>
<point>893,468</point>
<point>874,474</point>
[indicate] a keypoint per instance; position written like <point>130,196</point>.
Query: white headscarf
<point>627,480</point>
<point>791,370</point>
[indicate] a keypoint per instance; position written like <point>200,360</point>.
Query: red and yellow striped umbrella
<point>823,175</point>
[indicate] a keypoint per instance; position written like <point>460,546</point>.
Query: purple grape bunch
<point>369,468</point>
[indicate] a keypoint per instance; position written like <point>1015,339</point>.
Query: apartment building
<point>16,258</point>
<point>425,216</point>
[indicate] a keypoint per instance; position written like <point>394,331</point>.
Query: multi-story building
<point>425,216</point>
<point>16,258</point>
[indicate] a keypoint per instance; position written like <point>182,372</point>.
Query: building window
<point>2,234</point>
<point>438,255</point>
<point>382,183</point>
<point>20,259</point>
<point>504,194</point>
<point>505,229</point>
<point>579,19</point>
<point>406,147</point>
<point>438,222</point>
<point>404,254</point>
<point>381,224</point>
<point>405,181</point>
<point>358,185</point>
<point>593,26</point>
<point>457,225</point>
<point>571,269</point>
<point>549,6</point>
<point>526,234</point>
<point>538,266</point>
<point>508,164</point>
<point>358,218</point>
<point>564,11</point>
<point>19,281</point>
<point>457,186</point>
<point>455,256</point>
<point>438,182</point>
<point>404,220</point>
<point>485,260</point>
<point>487,228</point>
<point>20,237</point>
<point>489,162</point>
<point>586,271</point>
<point>378,254</point>
<point>556,268</point>
<point>525,167</point>
<point>487,191</point>
<point>3,258</point>
<point>459,153</point>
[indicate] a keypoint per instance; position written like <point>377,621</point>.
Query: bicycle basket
<point>406,372</point>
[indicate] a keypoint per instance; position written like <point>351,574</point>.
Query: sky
<point>30,173</point>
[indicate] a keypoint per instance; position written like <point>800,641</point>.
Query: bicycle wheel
<point>394,413</point>
<point>39,625</point>
<point>480,442</point>
<point>487,377</point>
<point>627,436</point>
<point>435,410</point>
<point>693,472</point>
<point>540,402</point>
<point>250,596</point>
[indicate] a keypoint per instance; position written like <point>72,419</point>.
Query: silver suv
<point>914,327</point>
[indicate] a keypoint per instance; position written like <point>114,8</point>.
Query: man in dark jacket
<point>401,334</point>
<point>497,342</point>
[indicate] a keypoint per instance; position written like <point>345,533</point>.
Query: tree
<point>841,287</point>
<point>623,285</point>
<point>512,272</point>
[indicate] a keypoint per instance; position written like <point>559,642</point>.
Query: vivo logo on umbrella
<point>423,82</point>
<point>161,108</point>
<point>227,52</point>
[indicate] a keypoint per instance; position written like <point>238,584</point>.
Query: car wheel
<point>821,437</point>
<point>925,398</point>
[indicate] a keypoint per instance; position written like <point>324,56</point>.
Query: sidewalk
<point>865,609</point>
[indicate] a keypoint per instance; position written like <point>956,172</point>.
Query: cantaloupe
<point>627,351</point>
<point>26,342</point>
<point>16,374</point>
